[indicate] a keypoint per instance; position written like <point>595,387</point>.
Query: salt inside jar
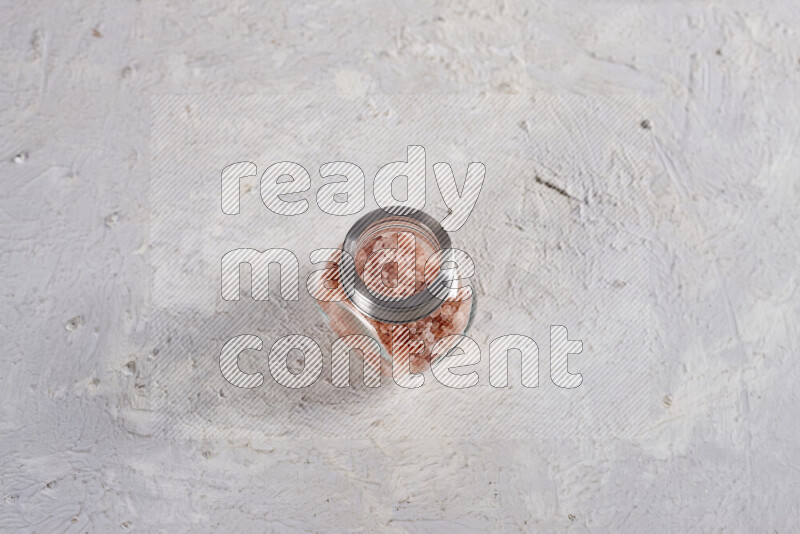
<point>397,284</point>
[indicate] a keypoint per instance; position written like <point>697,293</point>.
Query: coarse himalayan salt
<point>346,319</point>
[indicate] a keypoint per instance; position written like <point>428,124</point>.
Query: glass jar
<point>395,293</point>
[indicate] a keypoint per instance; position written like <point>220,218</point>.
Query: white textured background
<point>721,452</point>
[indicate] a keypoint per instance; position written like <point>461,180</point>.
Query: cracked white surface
<point>721,451</point>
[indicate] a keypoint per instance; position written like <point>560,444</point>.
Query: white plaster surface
<point>719,449</point>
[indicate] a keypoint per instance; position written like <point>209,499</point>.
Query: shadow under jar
<point>397,284</point>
